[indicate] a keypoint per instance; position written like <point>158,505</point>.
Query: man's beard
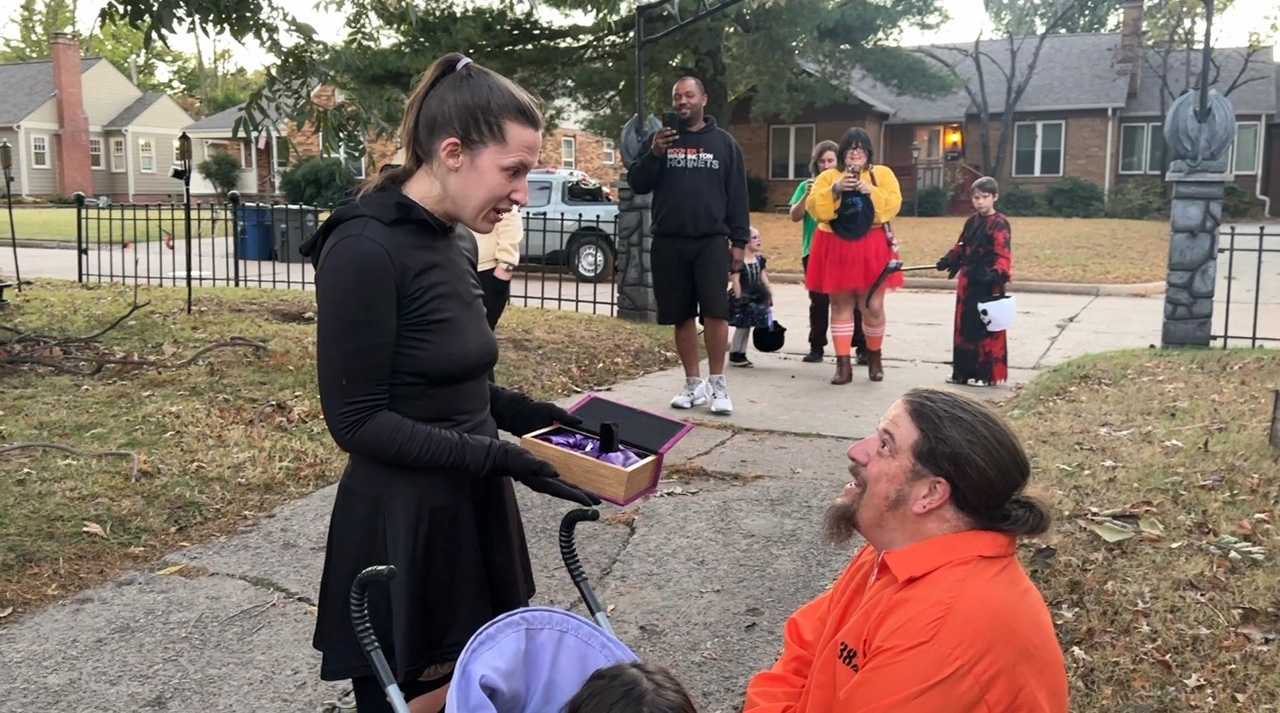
<point>840,523</point>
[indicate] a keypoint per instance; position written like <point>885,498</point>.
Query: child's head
<point>984,193</point>
<point>754,241</point>
<point>631,688</point>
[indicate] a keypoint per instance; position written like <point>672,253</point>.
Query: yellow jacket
<point>886,196</point>
<point>503,244</point>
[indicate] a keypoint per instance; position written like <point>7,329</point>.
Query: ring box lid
<point>636,427</point>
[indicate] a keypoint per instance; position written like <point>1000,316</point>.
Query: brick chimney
<point>73,166</point>
<point>1131,42</point>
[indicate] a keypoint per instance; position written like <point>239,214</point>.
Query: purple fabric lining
<point>624,457</point>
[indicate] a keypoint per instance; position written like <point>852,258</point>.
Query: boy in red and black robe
<point>983,259</point>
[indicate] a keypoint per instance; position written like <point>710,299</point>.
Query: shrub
<point>932,201</point>
<point>1138,199</point>
<point>757,194</point>
<point>320,182</point>
<point>1236,203</point>
<point>1018,201</point>
<point>222,171</point>
<point>1074,197</point>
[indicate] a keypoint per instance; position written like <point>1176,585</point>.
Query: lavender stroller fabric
<point>531,660</point>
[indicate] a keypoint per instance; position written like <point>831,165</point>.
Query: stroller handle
<point>569,553</point>
<point>366,636</point>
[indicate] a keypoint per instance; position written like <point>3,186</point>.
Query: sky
<point>967,19</point>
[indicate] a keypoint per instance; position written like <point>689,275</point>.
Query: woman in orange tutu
<point>852,203</point>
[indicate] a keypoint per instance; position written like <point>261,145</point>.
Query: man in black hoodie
<point>699,185</point>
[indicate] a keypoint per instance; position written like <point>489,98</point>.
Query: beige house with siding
<point>79,124</point>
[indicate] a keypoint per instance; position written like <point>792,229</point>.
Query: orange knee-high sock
<point>842,337</point>
<point>875,336</point>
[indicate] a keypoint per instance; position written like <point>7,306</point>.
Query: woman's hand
<point>540,476</point>
<point>848,182</point>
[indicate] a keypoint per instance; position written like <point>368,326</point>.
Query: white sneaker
<point>720,402</point>
<point>693,394</point>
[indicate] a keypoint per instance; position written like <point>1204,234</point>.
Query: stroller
<point>566,648</point>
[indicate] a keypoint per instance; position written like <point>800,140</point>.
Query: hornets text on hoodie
<point>699,187</point>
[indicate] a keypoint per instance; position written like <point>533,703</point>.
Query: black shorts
<point>690,278</point>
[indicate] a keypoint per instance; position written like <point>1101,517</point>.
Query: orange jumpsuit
<point>949,624</point>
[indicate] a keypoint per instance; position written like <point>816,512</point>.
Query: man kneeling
<point>936,612</point>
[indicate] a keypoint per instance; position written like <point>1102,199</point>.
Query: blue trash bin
<point>254,239</point>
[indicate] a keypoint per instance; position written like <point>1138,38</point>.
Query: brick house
<point>80,125</point>
<point>1091,110</point>
<point>569,146</point>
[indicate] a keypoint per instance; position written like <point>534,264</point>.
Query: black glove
<point>539,475</point>
<point>517,414</point>
<point>538,415</point>
<point>944,263</point>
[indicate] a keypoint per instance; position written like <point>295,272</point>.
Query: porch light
<point>6,155</point>
<point>184,147</point>
<point>955,140</point>
<point>915,151</point>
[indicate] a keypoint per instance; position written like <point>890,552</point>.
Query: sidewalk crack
<point>1063,328</point>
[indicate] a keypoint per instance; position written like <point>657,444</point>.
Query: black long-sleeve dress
<point>403,351</point>
<point>983,258</point>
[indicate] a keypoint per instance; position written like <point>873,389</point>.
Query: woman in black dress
<point>403,352</point>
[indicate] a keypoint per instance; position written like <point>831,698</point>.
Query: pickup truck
<point>570,220</point>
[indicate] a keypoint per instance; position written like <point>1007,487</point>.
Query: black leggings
<point>370,698</point>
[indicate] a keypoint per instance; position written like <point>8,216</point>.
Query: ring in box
<point>643,438</point>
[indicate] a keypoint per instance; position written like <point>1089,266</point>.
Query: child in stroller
<point>538,659</point>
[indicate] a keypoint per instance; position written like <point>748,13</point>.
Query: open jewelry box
<point>643,439</point>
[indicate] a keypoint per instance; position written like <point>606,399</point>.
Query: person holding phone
<point>698,179</point>
<point>852,203</point>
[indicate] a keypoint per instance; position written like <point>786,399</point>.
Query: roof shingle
<point>26,86</point>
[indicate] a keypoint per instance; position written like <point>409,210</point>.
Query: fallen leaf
<point>1151,526</point>
<point>1255,633</point>
<point>171,569</point>
<point>1173,443</point>
<point>1195,681</point>
<point>1244,528</point>
<point>94,528</point>
<point>5,612</point>
<point>1110,530</point>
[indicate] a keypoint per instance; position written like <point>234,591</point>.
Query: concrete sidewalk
<point>700,577</point>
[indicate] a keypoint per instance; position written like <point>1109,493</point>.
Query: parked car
<point>571,221</point>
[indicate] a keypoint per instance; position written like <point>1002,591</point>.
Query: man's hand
<point>808,187</point>
<point>663,140</point>
<point>735,264</point>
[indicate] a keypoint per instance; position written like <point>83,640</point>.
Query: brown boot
<point>874,368</point>
<point>844,371</point>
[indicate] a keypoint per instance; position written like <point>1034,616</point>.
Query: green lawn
<point>113,226</point>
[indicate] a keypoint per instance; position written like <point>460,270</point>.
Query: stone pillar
<point>635,280</point>
<point>1193,258</point>
<point>1197,132</point>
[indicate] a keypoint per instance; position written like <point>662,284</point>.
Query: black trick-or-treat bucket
<point>769,340</point>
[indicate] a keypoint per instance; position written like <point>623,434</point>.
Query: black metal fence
<point>567,262</point>
<point>236,244</point>
<point>1250,307</point>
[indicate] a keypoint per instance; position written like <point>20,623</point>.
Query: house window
<point>789,151</point>
<point>1245,148</point>
<point>610,157</point>
<point>39,151</point>
<point>1038,148</point>
<point>95,154</point>
<point>282,153</point>
<point>1141,148</point>
<point>568,152</point>
<point>117,155</point>
<point>146,156</point>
